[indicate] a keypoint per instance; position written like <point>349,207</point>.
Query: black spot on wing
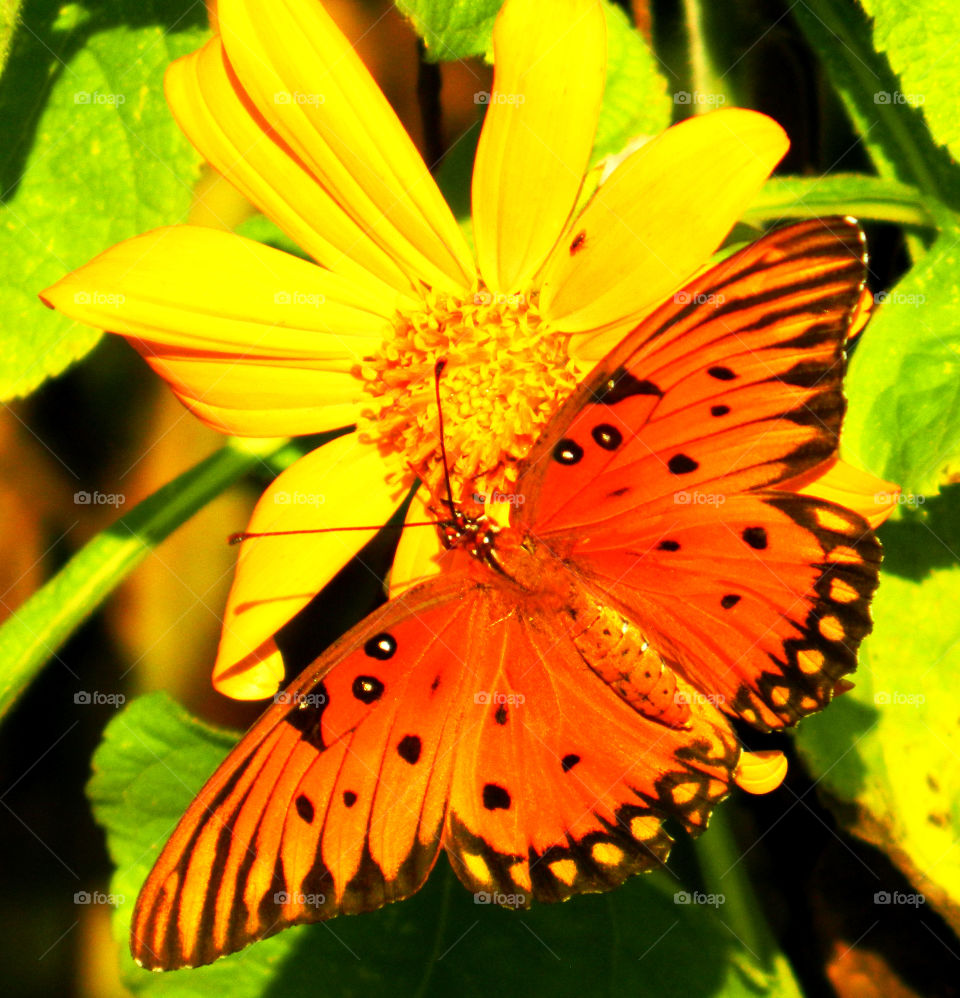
<point>305,808</point>
<point>381,646</point>
<point>367,689</point>
<point>409,748</point>
<point>567,452</point>
<point>681,464</point>
<point>755,537</point>
<point>569,761</point>
<point>495,797</point>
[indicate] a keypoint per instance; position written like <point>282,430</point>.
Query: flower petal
<point>255,340</point>
<point>760,772</point>
<point>340,484</point>
<point>218,118</point>
<point>418,550</point>
<point>312,88</point>
<point>550,59</point>
<point>658,217</point>
<point>842,483</point>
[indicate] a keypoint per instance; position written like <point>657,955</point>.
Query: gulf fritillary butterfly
<point>541,706</point>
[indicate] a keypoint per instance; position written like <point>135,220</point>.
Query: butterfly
<point>565,684</point>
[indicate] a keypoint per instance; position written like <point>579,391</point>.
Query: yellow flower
<point>257,342</point>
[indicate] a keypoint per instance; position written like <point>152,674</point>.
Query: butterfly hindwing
<point>560,786</point>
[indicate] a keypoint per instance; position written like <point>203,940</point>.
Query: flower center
<point>505,374</point>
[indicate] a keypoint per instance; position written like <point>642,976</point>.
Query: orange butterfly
<point>551,697</point>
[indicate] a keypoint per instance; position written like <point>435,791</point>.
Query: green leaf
<point>886,753</point>
<point>637,939</point>
<point>857,194</point>
<point>904,380</point>
<point>90,156</point>
<point>894,134</point>
<point>36,630</point>
<point>453,29</point>
<point>635,100</point>
<point>919,38</point>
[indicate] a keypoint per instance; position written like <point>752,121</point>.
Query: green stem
<point>9,16</point>
<point>724,872</point>
<point>704,78</point>
<point>39,628</point>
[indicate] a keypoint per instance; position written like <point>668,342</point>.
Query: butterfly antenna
<point>437,371</point>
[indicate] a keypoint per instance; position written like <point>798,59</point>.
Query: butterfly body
<point>563,686</point>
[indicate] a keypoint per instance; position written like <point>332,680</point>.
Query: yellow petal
<point>550,59</point>
<point>237,327</point>
<point>217,117</point>
<point>760,772</point>
<point>306,80</point>
<point>842,483</point>
<point>418,550</point>
<point>658,218</point>
<point>338,485</point>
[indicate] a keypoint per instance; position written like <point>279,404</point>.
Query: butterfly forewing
<point>649,480</point>
<point>333,802</point>
<point>734,383</point>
